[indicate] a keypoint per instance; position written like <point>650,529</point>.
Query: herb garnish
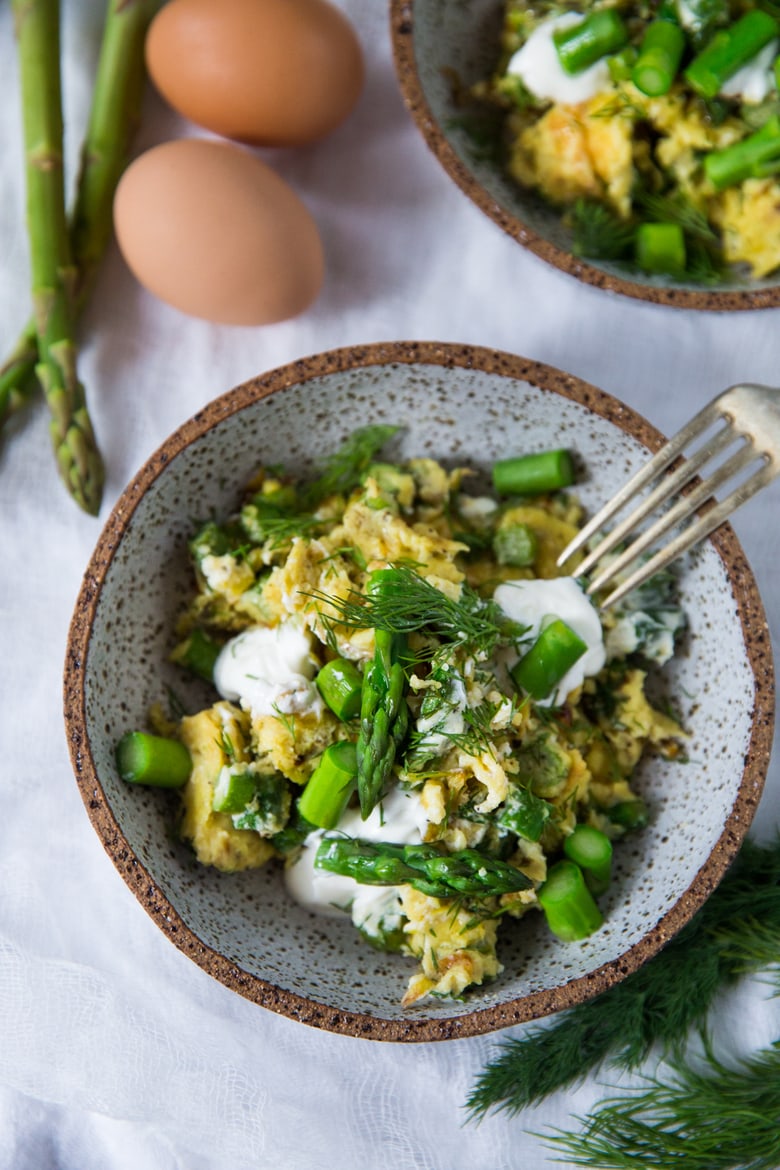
<point>736,931</point>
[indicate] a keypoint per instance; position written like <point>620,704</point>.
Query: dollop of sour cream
<point>269,670</point>
<point>398,819</point>
<point>537,65</point>
<point>754,81</point>
<point>535,603</point>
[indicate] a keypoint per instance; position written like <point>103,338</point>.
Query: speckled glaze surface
<point>441,48</point>
<point>460,404</point>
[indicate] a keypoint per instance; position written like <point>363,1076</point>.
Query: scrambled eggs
<point>639,157</point>
<point>481,766</point>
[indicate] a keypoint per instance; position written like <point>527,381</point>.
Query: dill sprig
<point>600,234</point>
<point>344,469</point>
<point>711,1117</point>
<point>414,604</point>
<point>736,931</point>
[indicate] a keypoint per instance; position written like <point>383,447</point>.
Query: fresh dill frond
<point>344,469</point>
<point>658,1004</point>
<point>677,209</point>
<point>226,745</point>
<point>598,233</point>
<point>280,530</point>
<point>479,731</point>
<point>287,722</point>
<point>708,1117</point>
<point>417,605</point>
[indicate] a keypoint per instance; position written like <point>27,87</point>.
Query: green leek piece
<point>628,814</point>
<point>515,544</point>
<point>660,248</point>
<point>153,759</point>
<point>330,786</point>
<point>527,475</point>
<point>729,50</point>
<point>592,851</point>
<point>568,904</point>
<point>340,684</point>
<point>659,58</point>
<point>581,45</point>
<point>233,791</point>
<point>553,653</point>
<point>199,654</point>
<point>753,157</point>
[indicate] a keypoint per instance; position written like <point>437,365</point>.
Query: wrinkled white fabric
<point>116,1051</point>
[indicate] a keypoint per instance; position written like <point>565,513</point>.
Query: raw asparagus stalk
<point>51,265</point>
<point>114,115</point>
<point>425,867</point>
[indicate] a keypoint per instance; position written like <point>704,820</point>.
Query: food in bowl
<point>653,128</point>
<point>414,711</point>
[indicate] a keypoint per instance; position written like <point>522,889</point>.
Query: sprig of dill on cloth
<point>736,931</point>
<point>709,1117</point>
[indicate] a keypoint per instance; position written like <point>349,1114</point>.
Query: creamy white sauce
<point>654,634</point>
<point>437,728</point>
<point>398,819</point>
<point>535,603</point>
<point>754,81</point>
<point>537,65</point>
<point>476,508</point>
<point>269,671</point>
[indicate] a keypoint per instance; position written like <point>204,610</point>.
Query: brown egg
<point>267,72</point>
<point>209,228</point>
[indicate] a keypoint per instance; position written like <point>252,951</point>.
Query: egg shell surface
<point>210,229</point>
<point>265,72</point>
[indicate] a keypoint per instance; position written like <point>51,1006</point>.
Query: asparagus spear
<point>426,867</point>
<point>384,714</point>
<point>51,265</point>
<point>114,115</point>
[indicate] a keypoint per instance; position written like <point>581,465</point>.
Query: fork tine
<point>693,533</point>
<point>659,462</point>
<point>669,485</point>
<point>684,506</point>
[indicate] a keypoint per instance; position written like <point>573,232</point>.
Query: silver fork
<point>747,415</point>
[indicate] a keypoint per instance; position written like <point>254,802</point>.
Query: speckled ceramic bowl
<point>441,48</point>
<point>460,404</point>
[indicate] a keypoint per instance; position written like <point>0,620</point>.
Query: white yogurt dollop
<point>535,603</point>
<point>398,819</point>
<point>754,81</point>
<point>537,65</point>
<point>269,671</point>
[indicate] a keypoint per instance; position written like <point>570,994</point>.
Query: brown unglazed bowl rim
<point>720,300</point>
<point>142,883</point>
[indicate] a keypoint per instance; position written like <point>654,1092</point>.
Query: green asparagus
<point>114,114</point>
<point>52,272</point>
<point>384,714</point>
<point>427,868</point>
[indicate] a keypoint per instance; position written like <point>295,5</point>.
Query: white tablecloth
<point>116,1051</point>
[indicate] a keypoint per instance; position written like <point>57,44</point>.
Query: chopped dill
<point>599,233</point>
<point>417,605</point>
<point>226,745</point>
<point>344,469</point>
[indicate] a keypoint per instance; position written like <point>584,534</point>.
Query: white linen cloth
<point>116,1051</point>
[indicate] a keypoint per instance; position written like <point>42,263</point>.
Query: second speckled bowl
<point>461,404</point>
<point>441,49</point>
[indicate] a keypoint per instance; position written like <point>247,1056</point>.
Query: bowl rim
<point>356,1023</point>
<point>402,17</point>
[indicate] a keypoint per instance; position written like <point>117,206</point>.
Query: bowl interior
<point>441,50</point>
<point>460,405</point>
